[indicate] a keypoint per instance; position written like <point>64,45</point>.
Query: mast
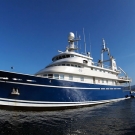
<point>90,44</point>
<point>102,51</point>
<point>84,41</point>
<point>105,49</point>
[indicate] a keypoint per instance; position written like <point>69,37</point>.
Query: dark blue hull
<point>40,92</point>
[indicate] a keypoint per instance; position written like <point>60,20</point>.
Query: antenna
<point>84,41</point>
<point>77,41</point>
<point>80,46</point>
<point>90,45</point>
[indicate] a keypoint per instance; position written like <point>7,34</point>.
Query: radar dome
<point>71,36</point>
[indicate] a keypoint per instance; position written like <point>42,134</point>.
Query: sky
<point>32,31</point>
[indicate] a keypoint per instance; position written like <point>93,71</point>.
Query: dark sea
<point>117,118</point>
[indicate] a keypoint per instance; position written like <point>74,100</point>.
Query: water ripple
<point>116,118</point>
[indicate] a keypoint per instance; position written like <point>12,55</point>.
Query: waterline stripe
<point>51,85</point>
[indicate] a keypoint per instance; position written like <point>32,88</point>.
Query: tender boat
<point>71,80</point>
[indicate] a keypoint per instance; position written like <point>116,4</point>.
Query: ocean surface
<point>117,118</point>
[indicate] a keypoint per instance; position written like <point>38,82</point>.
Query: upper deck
<point>73,63</point>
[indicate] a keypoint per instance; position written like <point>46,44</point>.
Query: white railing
<point>99,65</point>
<point>124,78</point>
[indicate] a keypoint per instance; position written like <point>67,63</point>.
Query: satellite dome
<point>71,36</point>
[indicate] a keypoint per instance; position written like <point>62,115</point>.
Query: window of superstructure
<point>67,56</point>
<point>50,75</point>
<point>79,66</point>
<point>94,80</point>
<point>70,77</point>
<point>98,80</point>
<point>91,68</point>
<point>45,75</point>
<point>63,56</point>
<point>68,64</point>
<point>63,64</point>
<point>85,61</point>
<point>72,65</point>
<point>60,57</point>
<point>82,78</point>
<point>102,80</point>
<point>61,76</point>
<point>54,59</point>
<point>75,65</point>
<point>71,55</point>
<point>56,76</point>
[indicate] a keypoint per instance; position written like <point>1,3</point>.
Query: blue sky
<point>31,31</point>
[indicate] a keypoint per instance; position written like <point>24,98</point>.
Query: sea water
<point>117,118</point>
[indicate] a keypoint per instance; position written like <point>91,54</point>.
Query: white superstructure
<point>72,66</point>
